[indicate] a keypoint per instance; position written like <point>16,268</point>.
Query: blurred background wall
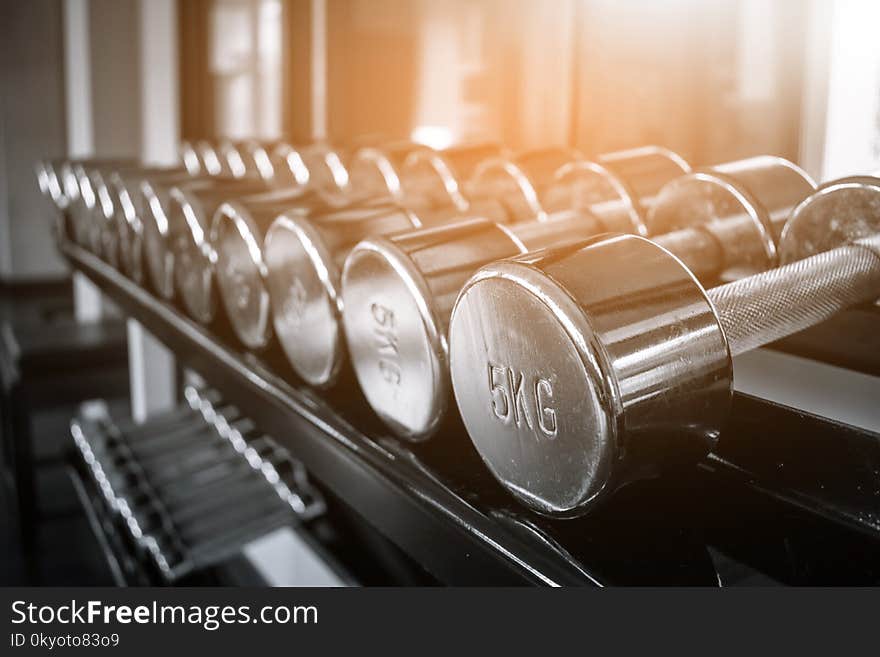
<point>713,79</point>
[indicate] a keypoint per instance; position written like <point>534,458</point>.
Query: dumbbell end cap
<point>397,345</point>
<point>240,273</point>
<point>574,379</point>
<point>839,212</point>
<point>303,284</point>
<point>533,387</point>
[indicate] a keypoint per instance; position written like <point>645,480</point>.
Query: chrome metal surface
<point>743,204</point>
<point>288,167</point>
<point>434,180</point>
<point>841,211</point>
<point>237,228</point>
<point>195,494</point>
<point>83,199</point>
<point>130,208</point>
<point>518,183</point>
<point>117,216</point>
<point>189,158</point>
<point>102,239</point>
<point>242,159</point>
<point>398,295</point>
<point>573,379</point>
<point>304,257</point>
<point>210,160</point>
<point>374,172</point>
<point>766,307</point>
<point>646,168</point>
<point>49,182</point>
<point>57,181</point>
<point>163,213</point>
<point>617,187</point>
<point>327,167</point>
<point>649,358</point>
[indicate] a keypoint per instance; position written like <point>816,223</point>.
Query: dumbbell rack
<point>793,498</point>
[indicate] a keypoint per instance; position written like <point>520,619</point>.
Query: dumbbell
<point>130,209</point>
<point>140,472</point>
<point>233,428</point>
<point>201,499</point>
<point>161,200</point>
<point>190,219</point>
<point>398,295</point>
<point>575,375</point>
<point>254,171</point>
<point>434,180</point>
<point>742,206</point>
<point>49,183</point>
<point>189,157</point>
<point>127,461</point>
<point>221,480</point>
<point>329,165</point>
<point>237,233</point>
<point>114,217</point>
<point>559,182</point>
<point>190,236</point>
<point>303,255</point>
<point>199,402</point>
<point>195,514</point>
<point>249,159</point>
<point>288,166</point>
<point>620,187</point>
<point>211,160</point>
<point>375,171</point>
<point>53,177</point>
<point>173,535</point>
<point>80,197</point>
<point>241,158</point>
<point>510,189</point>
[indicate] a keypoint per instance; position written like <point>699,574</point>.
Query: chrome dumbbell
<point>255,171</point>
<point>575,376</point>
<point>115,216</point>
<point>554,183</point>
<point>398,295</point>
<point>742,205</point>
<point>162,199</point>
<point>620,187</point>
<point>195,213</point>
<point>193,226</point>
<point>211,160</point>
<point>80,198</point>
<point>238,230</point>
<point>510,189</point>
<point>303,255</point>
<point>434,180</point>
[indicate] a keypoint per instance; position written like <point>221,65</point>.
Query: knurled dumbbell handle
<point>760,309</point>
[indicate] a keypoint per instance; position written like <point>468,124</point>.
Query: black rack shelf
<point>440,506</point>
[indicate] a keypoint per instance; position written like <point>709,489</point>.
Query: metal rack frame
<point>437,503</point>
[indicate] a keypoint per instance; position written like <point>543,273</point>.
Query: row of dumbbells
<point>381,262</point>
<point>192,486</point>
